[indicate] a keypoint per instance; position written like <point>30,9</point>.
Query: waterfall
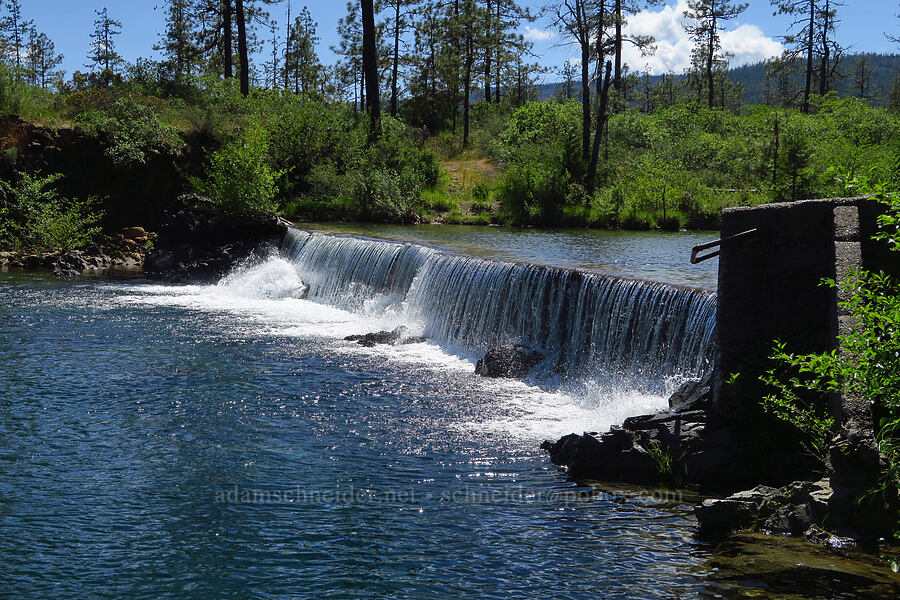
<point>584,323</point>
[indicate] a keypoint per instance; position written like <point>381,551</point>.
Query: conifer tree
<point>14,30</point>
<point>179,43</point>
<point>42,58</point>
<point>812,37</point>
<point>303,71</point>
<point>103,45</point>
<point>349,29</point>
<point>398,20</point>
<point>705,22</point>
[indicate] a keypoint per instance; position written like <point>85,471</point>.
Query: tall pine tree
<point>704,24</point>
<point>103,54</point>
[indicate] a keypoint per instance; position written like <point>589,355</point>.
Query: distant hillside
<point>884,68</point>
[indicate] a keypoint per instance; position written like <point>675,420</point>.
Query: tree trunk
<point>487,54</point>
<point>370,67</point>
<point>467,84</point>
<point>499,4</point>
<point>617,77</point>
<point>809,54</point>
<point>227,44</point>
<point>242,47</point>
<point>709,62</point>
<point>823,79</point>
<point>585,99</point>
<point>591,180</point>
<point>396,65</point>
<point>287,51</point>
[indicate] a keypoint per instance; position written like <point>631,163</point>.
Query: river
<point>224,441</point>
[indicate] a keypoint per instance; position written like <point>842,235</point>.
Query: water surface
<point>654,255</point>
<point>224,441</point>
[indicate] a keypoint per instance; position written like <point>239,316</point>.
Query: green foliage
<point>790,401</point>
<point>687,162</point>
<point>134,131</point>
<point>37,218</point>
<point>670,470</point>
<point>239,178</point>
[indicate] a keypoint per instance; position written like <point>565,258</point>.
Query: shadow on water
<point>760,566</point>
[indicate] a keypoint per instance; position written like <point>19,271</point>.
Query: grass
<point>465,192</point>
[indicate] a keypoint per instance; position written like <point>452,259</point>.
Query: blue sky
<point>753,36</point>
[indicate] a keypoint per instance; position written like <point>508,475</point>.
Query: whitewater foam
<point>615,348</point>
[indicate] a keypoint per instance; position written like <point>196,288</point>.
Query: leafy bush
<point>38,219</point>
<point>239,178</point>
<point>134,131</point>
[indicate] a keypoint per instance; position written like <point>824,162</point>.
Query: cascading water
<point>637,333</point>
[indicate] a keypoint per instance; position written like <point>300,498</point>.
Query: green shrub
<point>37,218</point>
<point>133,130</point>
<point>239,178</point>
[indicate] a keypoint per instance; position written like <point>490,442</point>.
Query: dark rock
<point>393,338</point>
<point>793,519</point>
<point>738,511</point>
<point>65,273</point>
<point>32,261</point>
<point>701,451</point>
<point>508,361</point>
<point>612,456</point>
<point>415,339</point>
<point>199,243</point>
<point>818,535</point>
<point>792,509</point>
<point>691,395</point>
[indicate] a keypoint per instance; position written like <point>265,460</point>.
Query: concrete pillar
<point>769,287</point>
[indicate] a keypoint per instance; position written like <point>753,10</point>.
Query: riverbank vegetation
<point>464,135</point>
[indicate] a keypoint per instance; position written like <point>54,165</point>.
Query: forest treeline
<point>421,84</point>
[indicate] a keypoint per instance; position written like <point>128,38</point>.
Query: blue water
<point>123,427</point>
<point>161,441</point>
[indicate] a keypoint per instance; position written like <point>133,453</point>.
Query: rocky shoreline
<point>692,447</point>
<point>122,254</point>
<point>195,243</point>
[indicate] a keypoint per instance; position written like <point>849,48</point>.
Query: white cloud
<point>538,35</point>
<point>746,42</point>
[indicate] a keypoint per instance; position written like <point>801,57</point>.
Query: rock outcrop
<point>128,194</point>
<point>199,243</point>
<point>681,446</point>
<point>508,361</point>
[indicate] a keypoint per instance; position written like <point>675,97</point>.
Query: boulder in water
<point>508,361</point>
<point>691,395</point>
<point>613,456</point>
<point>394,338</point>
